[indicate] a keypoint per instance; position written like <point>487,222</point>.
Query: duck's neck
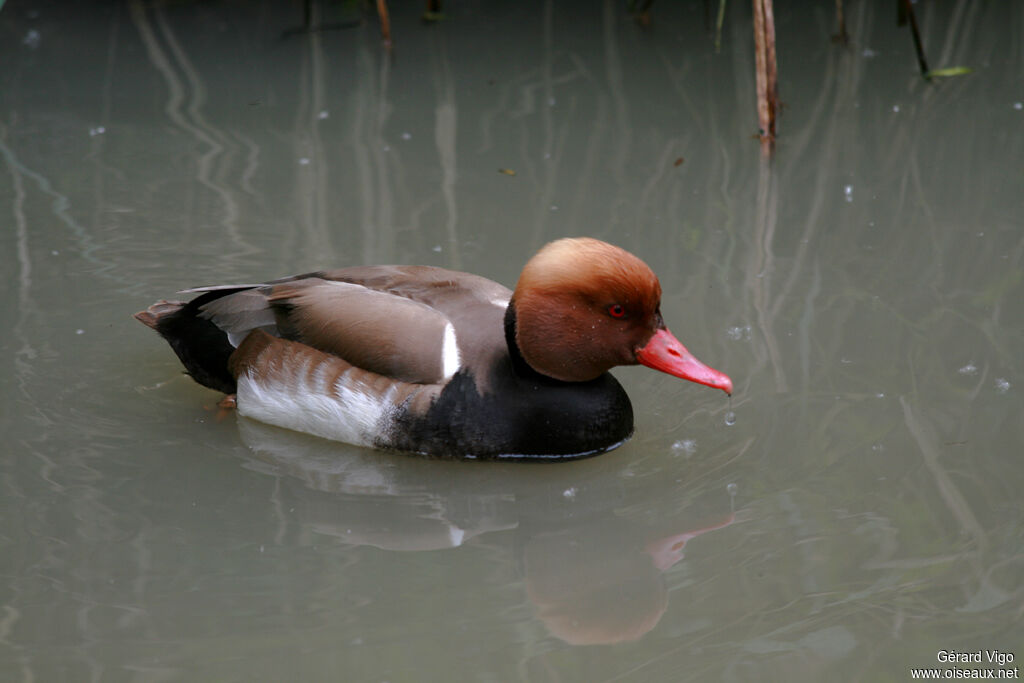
<point>519,364</point>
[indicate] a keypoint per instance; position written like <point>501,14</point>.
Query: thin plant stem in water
<point>767,81</point>
<point>841,36</point>
<point>922,62</point>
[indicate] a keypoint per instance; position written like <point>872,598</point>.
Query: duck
<point>437,362</point>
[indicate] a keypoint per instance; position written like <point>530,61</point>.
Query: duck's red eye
<point>617,311</point>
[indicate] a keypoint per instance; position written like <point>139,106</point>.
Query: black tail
<point>202,347</point>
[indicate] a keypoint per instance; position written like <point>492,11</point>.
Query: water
<point>864,293</point>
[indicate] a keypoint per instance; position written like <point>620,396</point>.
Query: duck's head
<point>584,306</point>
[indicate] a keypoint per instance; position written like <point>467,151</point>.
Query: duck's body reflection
<point>592,576</point>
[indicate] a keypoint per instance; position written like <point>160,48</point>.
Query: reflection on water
<point>591,576</point>
<point>863,290</point>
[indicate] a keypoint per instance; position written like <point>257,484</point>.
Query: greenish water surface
<point>862,513</point>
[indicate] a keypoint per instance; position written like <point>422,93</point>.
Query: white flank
<point>356,416</point>
<point>450,358</point>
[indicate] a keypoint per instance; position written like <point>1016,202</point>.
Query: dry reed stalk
<point>841,36</point>
<point>385,22</point>
<point>767,75</point>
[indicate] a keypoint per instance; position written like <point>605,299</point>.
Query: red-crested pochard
<point>434,361</point>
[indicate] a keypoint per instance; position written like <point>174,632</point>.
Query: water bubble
<point>1018,105</point>
<point>31,39</point>
<point>81,331</point>
<point>878,447</point>
<point>323,115</point>
<point>98,130</point>
<point>437,248</point>
<point>738,333</point>
<point>731,488</point>
<point>407,136</point>
<point>551,101</point>
<point>896,108</point>
<point>304,161</point>
<point>969,369</point>
<point>880,394</point>
<point>869,53</point>
<point>569,493</point>
<point>553,207</point>
<point>730,418</point>
<point>387,148</point>
<point>848,192</point>
<point>685,447</point>
<point>1002,385</point>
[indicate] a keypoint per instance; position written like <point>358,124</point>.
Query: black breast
<point>521,417</point>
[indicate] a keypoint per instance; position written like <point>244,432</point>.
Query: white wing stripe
<point>451,360</point>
